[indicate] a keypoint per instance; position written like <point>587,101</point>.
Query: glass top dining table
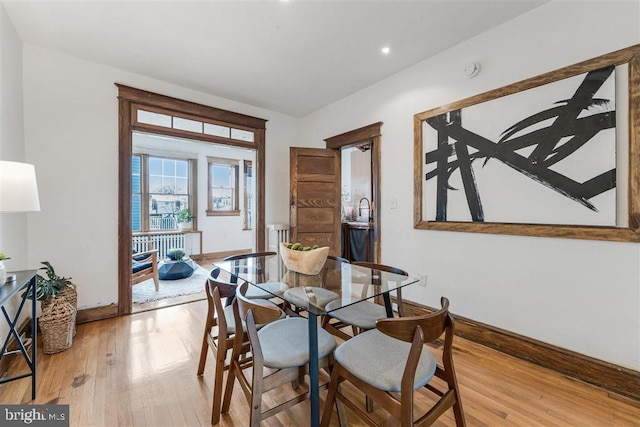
<point>349,283</point>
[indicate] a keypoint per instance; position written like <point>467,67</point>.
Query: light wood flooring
<point>140,370</point>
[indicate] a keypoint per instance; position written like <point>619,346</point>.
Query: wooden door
<point>315,197</point>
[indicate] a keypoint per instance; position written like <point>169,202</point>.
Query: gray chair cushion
<point>302,296</point>
<point>364,314</point>
<point>285,343</point>
<point>379,360</point>
<point>274,288</point>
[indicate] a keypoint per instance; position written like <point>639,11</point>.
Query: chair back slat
<point>219,310</point>
<point>227,289</point>
<point>432,325</point>
<point>263,311</point>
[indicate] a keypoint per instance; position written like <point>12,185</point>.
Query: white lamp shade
<point>18,187</point>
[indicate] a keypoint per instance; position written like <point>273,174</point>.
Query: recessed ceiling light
<point>385,50</point>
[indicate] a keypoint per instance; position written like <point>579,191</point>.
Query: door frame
<point>370,134</point>
<point>129,99</point>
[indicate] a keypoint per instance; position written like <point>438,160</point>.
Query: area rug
<point>146,291</point>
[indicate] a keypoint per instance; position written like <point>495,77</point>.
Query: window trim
<point>135,107</point>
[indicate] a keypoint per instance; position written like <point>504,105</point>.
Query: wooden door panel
<point>315,197</point>
<point>316,188</point>
<point>315,166</point>
<point>316,194</point>
<point>315,216</point>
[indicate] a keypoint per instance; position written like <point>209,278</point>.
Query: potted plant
<point>175,254</point>
<point>184,219</point>
<point>3,270</point>
<point>59,301</point>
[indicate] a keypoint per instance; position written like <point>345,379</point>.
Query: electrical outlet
<point>394,203</point>
<point>423,279</point>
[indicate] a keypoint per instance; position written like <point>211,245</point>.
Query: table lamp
<point>18,190</point>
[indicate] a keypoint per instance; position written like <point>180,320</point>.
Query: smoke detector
<point>472,69</point>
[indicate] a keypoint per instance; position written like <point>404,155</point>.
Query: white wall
<point>13,227</point>
<point>219,233</point>
<point>71,132</point>
<point>577,294</point>
<point>13,231</point>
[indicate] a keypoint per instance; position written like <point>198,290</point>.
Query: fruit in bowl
<point>303,259</point>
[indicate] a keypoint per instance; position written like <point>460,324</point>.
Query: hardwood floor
<point>140,370</point>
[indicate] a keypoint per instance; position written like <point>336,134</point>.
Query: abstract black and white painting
<point>545,155</point>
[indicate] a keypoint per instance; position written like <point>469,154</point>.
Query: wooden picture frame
<point>627,230</point>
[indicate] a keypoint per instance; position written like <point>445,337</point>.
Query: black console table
<point>24,280</point>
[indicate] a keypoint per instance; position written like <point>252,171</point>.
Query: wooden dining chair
<point>281,347</point>
<point>393,359</point>
<point>218,336</point>
<point>364,315</point>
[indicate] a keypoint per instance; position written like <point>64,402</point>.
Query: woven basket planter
<point>57,323</point>
<point>68,293</point>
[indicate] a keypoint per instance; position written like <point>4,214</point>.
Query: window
<point>223,186</point>
<point>195,125</point>
<point>248,195</point>
<point>161,187</point>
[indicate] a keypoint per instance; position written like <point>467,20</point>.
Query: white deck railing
<point>161,242</point>
<point>166,223</point>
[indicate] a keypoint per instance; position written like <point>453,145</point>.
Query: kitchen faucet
<point>368,208</point>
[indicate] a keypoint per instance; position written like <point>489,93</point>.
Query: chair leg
<point>228,389</point>
<point>459,414</point>
<point>156,281</point>
<point>217,392</point>
<point>452,382</point>
<point>295,384</point>
<point>331,395</point>
<point>256,396</point>
<point>203,352</point>
<point>457,407</point>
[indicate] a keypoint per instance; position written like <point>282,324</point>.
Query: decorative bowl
<point>305,262</point>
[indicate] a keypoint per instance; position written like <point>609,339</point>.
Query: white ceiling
<point>291,57</point>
